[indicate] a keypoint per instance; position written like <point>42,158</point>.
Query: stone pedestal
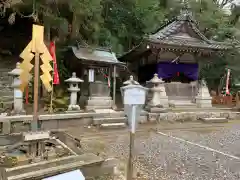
<point>159,99</point>
<point>18,95</point>
<point>203,99</point>
<point>73,89</point>
<point>99,96</point>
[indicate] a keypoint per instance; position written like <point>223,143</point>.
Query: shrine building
<point>173,52</point>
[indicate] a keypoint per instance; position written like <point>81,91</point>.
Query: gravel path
<point>163,158</point>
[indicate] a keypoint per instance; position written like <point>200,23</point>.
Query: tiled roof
<point>167,34</point>
<point>98,55</point>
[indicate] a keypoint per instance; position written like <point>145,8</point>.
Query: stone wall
<point>6,91</point>
<point>17,124</point>
<point>190,116</point>
<point>91,166</point>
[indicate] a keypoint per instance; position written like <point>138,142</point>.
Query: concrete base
<point>99,103</point>
<point>204,102</point>
<point>72,107</point>
<point>72,111</point>
<point>214,120</point>
<point>164,102</point>
<point>110,119</point>
<point>113,125</point>
<point>6,127</point>
<point>157,110</point>
<point>22,112</point>
<point>91,165</point>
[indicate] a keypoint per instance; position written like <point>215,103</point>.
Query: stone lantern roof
<point>74,79</point>
<point>156,79</point>
<point>17,71</point>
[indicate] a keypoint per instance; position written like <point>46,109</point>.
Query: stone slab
<point>113,125</point>
<point>98,121</point>
<point>98,107</point>
<point>53,167</point>
<point>104,111</point>
<point>214,120</point>
<point>100,98</point>
<point>158,110</point>
<point>99,102</point>
<point>6,127</point>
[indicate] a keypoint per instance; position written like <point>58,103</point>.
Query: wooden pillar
<point>114,85</point>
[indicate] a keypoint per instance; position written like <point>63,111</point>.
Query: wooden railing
<point>177,90</point>
<point>223,100</point>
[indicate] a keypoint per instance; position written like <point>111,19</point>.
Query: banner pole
<point>51,100</point>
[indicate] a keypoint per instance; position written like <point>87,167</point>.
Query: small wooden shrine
<point>98,68</point>
<point>173,52</point>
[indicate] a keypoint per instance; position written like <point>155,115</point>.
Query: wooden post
<point>130,159</point>
<point>36,89</point>
<point>131,145</point>
<point>114,85</point>
<point>51,100</point>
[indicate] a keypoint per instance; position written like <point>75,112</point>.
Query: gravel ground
<point>226,140</point>
<point>160,157</point>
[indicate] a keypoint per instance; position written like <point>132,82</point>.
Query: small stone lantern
<point>18,94</point>
<point>131,81</point>
<point>73,89</point>
<point>203,98</point>
<point>159,97</point>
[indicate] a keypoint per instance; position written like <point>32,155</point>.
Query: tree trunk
<point>75,27</point>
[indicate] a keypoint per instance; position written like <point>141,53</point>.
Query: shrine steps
<point>99,103</point>
<point>111,120</point>
<point>6,91</point>
<point>182,104</point>
<point>197,109</point>
<point>97,107</point>
<point>214,120</point>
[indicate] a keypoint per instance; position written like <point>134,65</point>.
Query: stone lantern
<point>159,97</point>
<point>203,99</point>
<point>18,94</point>
<point>73,89</point>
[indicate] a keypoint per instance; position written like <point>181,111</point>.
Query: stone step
<point>98,107</point>
<point>100,98</point>
<point>5,81</point>
<point>6,87</point>
<point>37,166</point>
<point>196,109</point>
<point>99,102</point>
<point>102,113</point>
<point>5,70</point>
<point>6,98</point>
<point>5,77</point>
<point>214,120</point>
<point>109,120</point>
<point>6,93</point>
<point>113,125</point>
<point>182,104</point>
<point>53,167</point>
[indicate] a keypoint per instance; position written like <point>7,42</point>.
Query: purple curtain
<point>167,70</point>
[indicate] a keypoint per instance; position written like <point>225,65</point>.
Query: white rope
<point>201,146</point>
